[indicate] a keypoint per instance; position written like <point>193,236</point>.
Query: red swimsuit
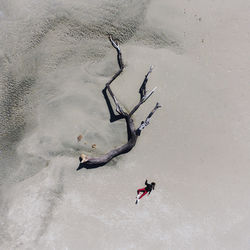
<point>145,190</point>
<point>141,190</point>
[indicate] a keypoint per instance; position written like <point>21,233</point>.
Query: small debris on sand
<point>94,146</point>
<point>79,138</point>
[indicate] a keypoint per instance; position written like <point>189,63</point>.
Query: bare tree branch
<point>146,122</point>
<point>131,131</point>
<point>121,65</point>
<point>142,90</point>
<point>144,98</point>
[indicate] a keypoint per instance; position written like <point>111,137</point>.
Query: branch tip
<point>144,98</point>
<point>158,105</point>
<point>114,44</point>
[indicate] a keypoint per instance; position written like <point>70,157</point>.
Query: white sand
<point>196,148</point>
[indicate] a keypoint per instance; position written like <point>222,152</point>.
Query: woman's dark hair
<point>153,185</point>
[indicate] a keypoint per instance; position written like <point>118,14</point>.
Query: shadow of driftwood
<point>85,165</point>
<point>113,116</point>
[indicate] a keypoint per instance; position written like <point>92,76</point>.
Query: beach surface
<point>55,58</point>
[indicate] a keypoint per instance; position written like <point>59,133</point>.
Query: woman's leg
<point>143,194</point>
<point>141,190</point>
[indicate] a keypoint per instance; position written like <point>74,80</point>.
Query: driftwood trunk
<point>132,131</point>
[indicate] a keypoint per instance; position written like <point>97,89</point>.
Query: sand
<point>55,59</point>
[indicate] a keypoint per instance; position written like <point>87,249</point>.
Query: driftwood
<point>132,131</point>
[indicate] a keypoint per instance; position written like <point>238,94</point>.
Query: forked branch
<point>132,132</point>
